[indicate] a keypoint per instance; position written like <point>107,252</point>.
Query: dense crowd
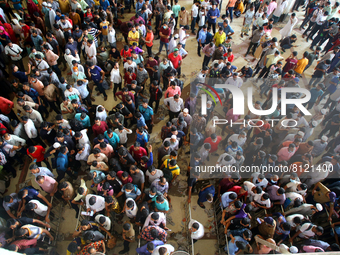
<point>99,161</point>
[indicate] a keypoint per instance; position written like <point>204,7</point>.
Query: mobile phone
<point>258,220</point>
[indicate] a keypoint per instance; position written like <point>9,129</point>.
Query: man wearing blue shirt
<point>97,75</point>
<point>62,162</point>
<point>112,137</point>
<point>84,119</point>
<point>105,4</point>
<point>139,5</point>
<point>206,195</point>
<point>149,247</point>
<point>226,28</point>
<point>202,36</point>
<point>212,16</point>
<point>147,113</point>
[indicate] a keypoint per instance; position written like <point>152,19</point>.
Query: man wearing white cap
<point>69,58</point>
<point>292,137</point>
<point>174,143</point>
<point>309,130</point>
<point>173,43</point>
<point>319,146</point>
<point>51,14</point>
<point>187,117</point>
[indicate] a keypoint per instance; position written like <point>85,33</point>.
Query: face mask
<point>292,180</point>
<point>164,27</point>
<point>133,31</point>
<point>209,201</point>
<point>151,196</point>
<point>172,79</point>
<point>127,192</point>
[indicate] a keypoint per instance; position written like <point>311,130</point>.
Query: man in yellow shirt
<point>301,64</point>
<point>133,35</point>
<point>104,25</point>
<point>270,60</point>
<point>219,37</point>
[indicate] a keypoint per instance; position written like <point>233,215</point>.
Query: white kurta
<point>91,52</point>
<point>287,29</point>
<point>52,17</point>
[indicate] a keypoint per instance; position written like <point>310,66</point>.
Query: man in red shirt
<point>99,127</point>
<point>214,141</point>
<point>124,177</point>
<point>176,60</point>
<point>137,151</point>
<point>129,76</point>
<point>164,33</point>
<point>36,153</point>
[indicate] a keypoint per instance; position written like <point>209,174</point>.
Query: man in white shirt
<point>240,139</point>
<point>38,208</point>
<point>174,143</point>
<point>156,219</point>
<point>14,140</point>
<point>34,115</point>
<point>235,80</point>
<point>183,36</point>
<point>130,63</point>
<point>122,132</point>
<point>259,180</point>
<point>83,155</point>
<point>82,138</point>
<point>175,105</point>
<point>91,51</point>
<point>30,129</point>
<point>196,230</point>
<point>41,64</point>
<point>173,43</point>
<point>116,78</point>
<point>111,37</point>
<point>130,208</point>
<point>104,221</point>
<point>165,249</point>
<point>95,203</point>
<point>225,160</point>
<point>194,14</point>
<point>14,51</point>
<point>66,26</point>
<point>70,58</point>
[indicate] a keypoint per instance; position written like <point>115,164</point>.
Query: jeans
<point>310,25</point>
<point>206,61</point>
<point>199,48</point>
<point>149,49</point>
<point>104,39</point>
<point>213,25</point>
<point>100,87</point>
<point>126,245</point>
<point>276,19</point>
<point>193,23</point>
<point>314,81</point>
<point>151,101</point>
<point>116,86</point>
<point>166,47</point>
<point>252,45</point>
<point>230,11</point>
<point>286,46</point>
<point>56,70</point>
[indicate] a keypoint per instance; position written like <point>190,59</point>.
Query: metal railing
<point>222,239</point>
<point>188,219</point>
<point>55,220</point>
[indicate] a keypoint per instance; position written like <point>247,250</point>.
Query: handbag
<point>111,243</point>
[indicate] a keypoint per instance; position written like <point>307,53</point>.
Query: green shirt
<point>176,9</point>
<point>331,13</point>
<point>161,207</point>
<point>80,76</point>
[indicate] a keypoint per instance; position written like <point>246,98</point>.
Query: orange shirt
<point>149,37</point>
<point>231,3</point>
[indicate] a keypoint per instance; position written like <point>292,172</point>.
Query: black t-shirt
<point>114,54</point>
<point>131,107</point>
<point>25,221</point>
<point>127,160</point>
<point>116,185</point>
<point>124,111</point>
<point>97,21</point>
<point>137,89</point>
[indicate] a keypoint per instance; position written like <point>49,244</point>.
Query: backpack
<point>167,173</point>
<point>76,125</point>
<point>201,139</point>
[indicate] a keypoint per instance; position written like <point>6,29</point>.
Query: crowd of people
<point>99,161</point>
